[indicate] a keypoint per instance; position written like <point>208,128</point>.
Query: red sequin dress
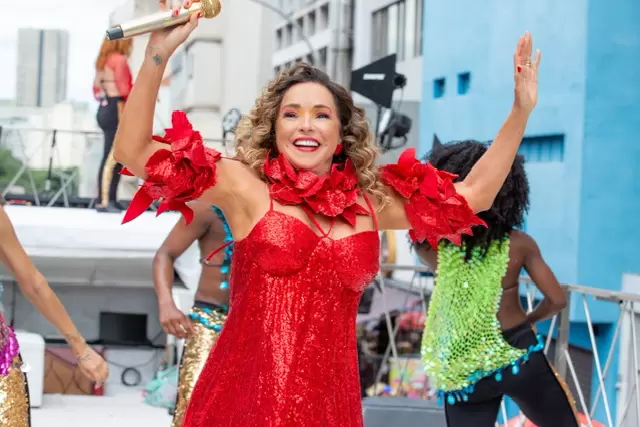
<point>286,356</point>
<point>287,353</point>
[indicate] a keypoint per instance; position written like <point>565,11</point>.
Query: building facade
<point>315,31</point>
<point>225,64</point>
<point>384,27</point>
<point>580,145</point>
<point>43,57</point>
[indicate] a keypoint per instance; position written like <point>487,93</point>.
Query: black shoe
<point>111,207</point>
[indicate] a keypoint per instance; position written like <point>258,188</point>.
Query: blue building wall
<point>585,186</point>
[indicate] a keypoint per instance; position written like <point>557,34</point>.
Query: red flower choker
<point>334,194</point>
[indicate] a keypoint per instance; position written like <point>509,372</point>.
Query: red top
<point>287,352</point>
<point>122,77</point>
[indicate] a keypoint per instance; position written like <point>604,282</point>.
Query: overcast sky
<point>86,22</point>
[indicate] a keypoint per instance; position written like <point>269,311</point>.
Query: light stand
<point>47,182</point>
<point>391,124</point>
<point>378,81</point>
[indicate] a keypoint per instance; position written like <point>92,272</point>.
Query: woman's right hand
<point>174,321</point>
<point>168,40</point>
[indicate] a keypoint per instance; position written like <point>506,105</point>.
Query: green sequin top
<point>462,341</point>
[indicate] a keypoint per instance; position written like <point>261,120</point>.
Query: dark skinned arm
<point>174,321</point>
<point>554,299</point>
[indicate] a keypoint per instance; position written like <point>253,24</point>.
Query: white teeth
<point>306,143</point>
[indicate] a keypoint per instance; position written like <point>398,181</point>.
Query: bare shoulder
<point>522,242</point>
<point>233,176</point>
<point>239,190</point>
<point>239,176</point>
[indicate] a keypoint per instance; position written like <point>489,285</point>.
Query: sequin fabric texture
<point>194,356</point>
<point>14,398</point>
<point>287,353</point>
<point>228,248</point>
<point>462,341</point>
<point>9,347</point>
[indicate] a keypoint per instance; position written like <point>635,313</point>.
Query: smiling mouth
<point>306,145</point>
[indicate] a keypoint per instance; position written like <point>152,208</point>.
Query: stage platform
<point>80,246</point>
<point>123,408</point>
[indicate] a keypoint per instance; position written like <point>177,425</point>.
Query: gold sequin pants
<point>195,353</point>
<point>14,398</point>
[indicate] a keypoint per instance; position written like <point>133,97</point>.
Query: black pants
<point>109,175</point>
<point>536,390</point>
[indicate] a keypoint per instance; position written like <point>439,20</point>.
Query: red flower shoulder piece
<point>178,174</point>
<point>334,194</point>
<point>434,209</point>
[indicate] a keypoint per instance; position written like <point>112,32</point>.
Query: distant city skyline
<point>43,62</point>
<point>85,24</point>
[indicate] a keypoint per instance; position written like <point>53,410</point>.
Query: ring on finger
<point>527,63</point>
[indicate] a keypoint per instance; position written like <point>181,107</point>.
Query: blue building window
<point>543,149</point>
<point>438,87</point>
<point>464,81</point>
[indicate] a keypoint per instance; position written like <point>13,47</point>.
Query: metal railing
<point>70,159</point>
<point>26,144</point>
<point>628,305</point>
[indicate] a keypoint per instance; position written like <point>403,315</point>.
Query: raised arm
<point>38,292</point>
<point>484,181</point>
<point>554,299</point>
<point>178,167</point>
<point>174,321</point>
<point>429,203</point>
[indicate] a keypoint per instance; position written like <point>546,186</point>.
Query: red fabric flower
<point>176,175</point>
<point>334,194</point>
<point>434,209</point>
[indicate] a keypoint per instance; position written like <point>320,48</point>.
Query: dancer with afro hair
<point>479,344</point>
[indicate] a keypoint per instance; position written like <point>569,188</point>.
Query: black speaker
<point>402,412</point>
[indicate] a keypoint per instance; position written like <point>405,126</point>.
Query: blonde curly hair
<point>255,134</point>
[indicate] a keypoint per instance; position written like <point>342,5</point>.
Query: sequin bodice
<point>287,353</point>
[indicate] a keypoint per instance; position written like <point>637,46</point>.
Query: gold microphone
<point>164,19</point>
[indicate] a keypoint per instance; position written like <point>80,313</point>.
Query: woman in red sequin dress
<point>305,201</point>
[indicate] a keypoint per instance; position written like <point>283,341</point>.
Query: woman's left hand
<point>525,74</point>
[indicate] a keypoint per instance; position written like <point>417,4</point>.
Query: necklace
<point>334,194</point>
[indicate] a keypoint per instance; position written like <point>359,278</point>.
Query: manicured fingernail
<point>175,12</point>
<point>519,68</point>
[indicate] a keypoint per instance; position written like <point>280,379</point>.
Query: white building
<point>383,27</point>
<point>43,57</point>
<point>225,64</point>
<point>316,31</point>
